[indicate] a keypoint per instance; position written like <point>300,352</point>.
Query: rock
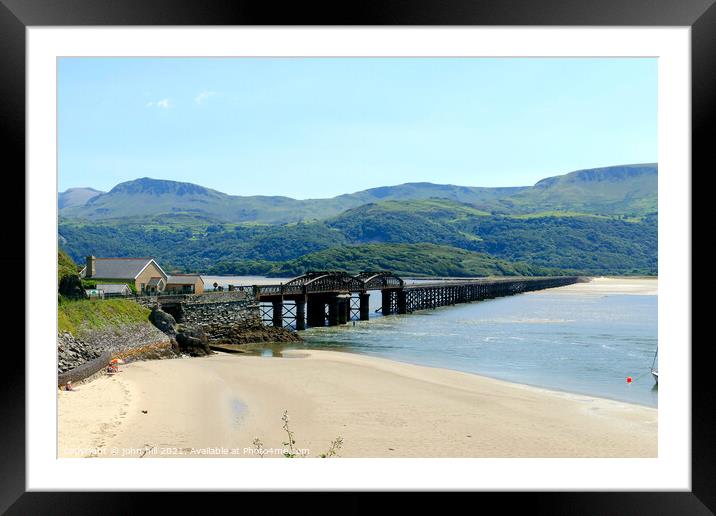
<point>164,321</point>
<point>239,334</point>
<point>193,341</point>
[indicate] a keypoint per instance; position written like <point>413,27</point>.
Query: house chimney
<point>91,270</point>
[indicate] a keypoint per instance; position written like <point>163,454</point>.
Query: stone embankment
<point>130,342</point>
<point>196,339</point>
<point>214,318</point>
<point>73,352</point>
<point>204,321</point>
<point>134,339</point>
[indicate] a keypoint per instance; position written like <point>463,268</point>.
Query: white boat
<point>655,368</point>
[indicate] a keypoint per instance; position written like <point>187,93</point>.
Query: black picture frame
<point>16,15</point>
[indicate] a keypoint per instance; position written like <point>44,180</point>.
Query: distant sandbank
<point>641,286</point>
<point>218,406</point>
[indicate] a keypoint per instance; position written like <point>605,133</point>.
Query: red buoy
<point>629,380</point>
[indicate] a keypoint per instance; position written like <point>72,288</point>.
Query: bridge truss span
<point>337,297</point>
<point>434,295</point>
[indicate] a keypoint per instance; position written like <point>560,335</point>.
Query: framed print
<point>444,247</point>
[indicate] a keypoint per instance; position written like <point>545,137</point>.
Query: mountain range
<point>595,221</point>
<point>620,190</point>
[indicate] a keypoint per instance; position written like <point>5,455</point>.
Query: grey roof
<point>184,279</point>
<point>113,288</point>
<point>119,268</point>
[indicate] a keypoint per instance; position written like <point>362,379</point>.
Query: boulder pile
<point>232,334</point>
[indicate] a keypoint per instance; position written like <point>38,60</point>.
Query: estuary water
<point>585,338</point>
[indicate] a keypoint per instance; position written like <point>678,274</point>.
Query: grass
<point>83,315</point>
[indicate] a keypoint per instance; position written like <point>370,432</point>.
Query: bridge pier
<point>316,311</point>
<point>344,307</point>
<point>364,309</point>
<point>301,313</point>
<point>277,316</point>
<point>333,310</point>
<point>402,305</point>
<point>385,302</point>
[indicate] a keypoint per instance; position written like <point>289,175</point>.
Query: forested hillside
<point>591,245</point>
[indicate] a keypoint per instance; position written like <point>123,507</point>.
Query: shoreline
<point>554,390</point>
<point>381,408</point>
<point>600,286</point>
<point>287,348</point>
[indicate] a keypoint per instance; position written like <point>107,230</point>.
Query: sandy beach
<point>218,405</point>
<point>638,286</point>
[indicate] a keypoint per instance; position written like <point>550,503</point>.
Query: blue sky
<point>319,127</point>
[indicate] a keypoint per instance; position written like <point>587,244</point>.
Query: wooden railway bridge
<point>337,297</point>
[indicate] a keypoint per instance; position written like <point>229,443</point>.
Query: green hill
<point>567,241</point>
<point>571,242</point>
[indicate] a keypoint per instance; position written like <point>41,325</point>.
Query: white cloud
<point>204,96</point>
<point>163,104</point>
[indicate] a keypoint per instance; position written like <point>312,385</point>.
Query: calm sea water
<point>585,343</point>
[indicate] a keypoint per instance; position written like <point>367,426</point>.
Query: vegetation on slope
<point>588,244</point>
<point>585,244</point>
<point>65,265</point>
<point>198,248</point>
<point>574,243</point>
<point>84,315</point>
<point>407,259</point>
<point>80,315</point>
